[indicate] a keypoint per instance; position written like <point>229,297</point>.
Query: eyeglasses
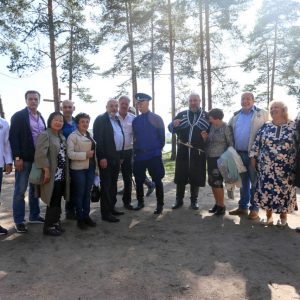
<point>67,106</point>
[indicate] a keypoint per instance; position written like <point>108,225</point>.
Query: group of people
<point>71,159</point>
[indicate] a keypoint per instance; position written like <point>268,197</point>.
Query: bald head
<point>67,107</point>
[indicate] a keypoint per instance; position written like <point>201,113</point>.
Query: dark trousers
<point>156,170</point>
<point>126,170</point>
<point>70,205</point>
<point>53,210</point>
<point>109,179</point>
<point>180,191</point>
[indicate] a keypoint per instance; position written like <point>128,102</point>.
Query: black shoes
<point>139,206</point>
<point>82,225</point>
<point>89,222</point>
<point>213,210</point>
<point>3,231</point>
<point>194,205</point>
<point>110,219</point>
<point>117,213</point>
<point>128,206</point>
<point>177,204</point>
<point>52,231</point>
<point>220,210</point>
<point>21,228</point>
<point>158,210</point>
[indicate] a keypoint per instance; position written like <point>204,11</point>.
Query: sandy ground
<point>181,254</point>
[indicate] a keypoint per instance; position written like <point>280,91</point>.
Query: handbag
<point>95,193</point>
<point>35,175</point>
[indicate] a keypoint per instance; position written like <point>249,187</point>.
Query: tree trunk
<point>71,63</point>
<point>274,63</point>
<point>130,40</point>
<point>152,63</point>
<point>53,56</point>
<point>268,74</point>
<point>201,35</point>
<point>1,109</point>
<point>207,38</point>
<point>171,52</point>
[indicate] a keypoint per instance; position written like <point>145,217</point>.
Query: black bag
<point>95,193</point>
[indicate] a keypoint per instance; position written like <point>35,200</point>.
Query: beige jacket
<point>259,118</point>
<point>78,145</point>
<point>46,152</point>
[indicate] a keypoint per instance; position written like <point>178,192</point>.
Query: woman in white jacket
<point>81,151</point>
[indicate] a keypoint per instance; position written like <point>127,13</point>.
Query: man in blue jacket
<point>148,142</point>
<point>68,109</point>
<point>26,125</point>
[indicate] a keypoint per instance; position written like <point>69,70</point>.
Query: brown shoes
<point>238,212</point>
<point>253,215</point>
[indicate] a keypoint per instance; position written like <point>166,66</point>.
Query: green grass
<point>168,163</point>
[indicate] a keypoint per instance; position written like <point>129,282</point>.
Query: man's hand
<point>176,122</point>
<point>8,168</point>
<point>46,178</point>
<point>19,165</point>
<point>103,163</point>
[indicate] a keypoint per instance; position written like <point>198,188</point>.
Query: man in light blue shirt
<point>245,124</point>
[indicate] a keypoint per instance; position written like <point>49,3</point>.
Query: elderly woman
<point>81,151</point>
<point>218,140</point>
<point>51,156</point>
<point>274,156</point>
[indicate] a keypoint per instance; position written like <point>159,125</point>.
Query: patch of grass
<point>168,163</point>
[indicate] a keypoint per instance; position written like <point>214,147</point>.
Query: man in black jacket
<point>109,136</point>
<point>26,125</point>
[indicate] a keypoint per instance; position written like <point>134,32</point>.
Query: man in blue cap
<point>148,142</point>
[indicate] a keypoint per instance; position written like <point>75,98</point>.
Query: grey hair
<point>193,94</point>
<point>248,93</point>
<point>123,97</point>
<point>283,105</point>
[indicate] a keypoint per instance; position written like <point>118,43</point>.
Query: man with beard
<point>190,126</point>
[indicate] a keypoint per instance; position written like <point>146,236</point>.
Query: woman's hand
<point>46,178</point>
<point>253,163</point>
<point>90,154</point>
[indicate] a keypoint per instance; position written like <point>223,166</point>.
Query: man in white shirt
<point>126,119</point>
<point>5,157</point>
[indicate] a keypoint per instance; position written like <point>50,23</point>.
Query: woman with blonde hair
<point>274,155</point>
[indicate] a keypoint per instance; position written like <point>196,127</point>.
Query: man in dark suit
<point>109,136</point>
<point>26,125</point>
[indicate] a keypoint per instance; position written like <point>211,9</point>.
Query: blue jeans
<point>249,180</point>
<point>82,181</point>
<point>21,184</point>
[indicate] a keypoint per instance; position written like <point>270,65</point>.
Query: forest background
<point>93,50</point>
